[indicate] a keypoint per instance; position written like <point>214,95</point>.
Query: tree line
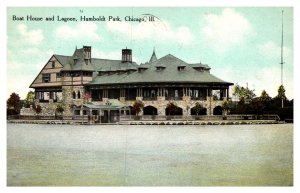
<point>249,103</point>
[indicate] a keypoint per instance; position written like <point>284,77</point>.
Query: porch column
<point>227,93</point>
<point>141,92</point>
<point>206,93</point>
<point>91,116</point>
<point>108,116</point>
<point>99,116</point>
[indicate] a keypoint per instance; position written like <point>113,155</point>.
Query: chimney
<point>87,52</point>
<point>126,55</point>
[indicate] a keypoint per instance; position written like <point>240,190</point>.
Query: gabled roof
<point>169,74</point>
<point>62,59</point>
<point>149,73</point>
<point>105,65</point>
<point>95,65</point>
<point>59,58</point>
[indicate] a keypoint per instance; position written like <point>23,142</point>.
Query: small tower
<point>87,53</point>
<point>126,55</point>
<point>153,57</point>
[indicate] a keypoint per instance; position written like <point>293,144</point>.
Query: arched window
<point>78,95</point>
<point>196,110</point>
<point>150,110</point>
<point>74,95</point>
<point>217,110</point>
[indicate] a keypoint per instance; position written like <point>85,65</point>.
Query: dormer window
<point>142,69</point>
<point>110,72</point>
<point>160,68</point>
<point>180,68</point>
<point>75,59</point>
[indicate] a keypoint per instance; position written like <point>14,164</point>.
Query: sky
<point>242,45</point>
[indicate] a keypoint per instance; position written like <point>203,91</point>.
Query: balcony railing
<point>199,98</point>
<point>149,98</point>
<point>174,98</point>
<point>47,101</point>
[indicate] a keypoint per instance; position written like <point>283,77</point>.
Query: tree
<point>138,106</point>
<point>256,106</point>
<point>29,99</point>
<point>265,101</point>
<point>13,101</point>
<point>38,109</point>
<point>244,93</point>
<point>281,93</point>
<point>198,108</point>
<point>59,109</point>
<point>226,106</point>
<point>280,97</point>
<point>264,97</point>
<point>172,107</point>
<point>216,95</point>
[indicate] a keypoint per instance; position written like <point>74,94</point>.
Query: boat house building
<point>108,89</point>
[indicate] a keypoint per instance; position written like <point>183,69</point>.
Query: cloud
<point>226,30</point>
<point>271,50</point>
<point>29,55</point>
<point>158,30</point>
<point>113,55</point>
<point>33,37</point>
<point>269,79</point>
<point>85,30</point>
<point>20,76</point>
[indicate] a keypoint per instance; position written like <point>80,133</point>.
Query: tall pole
<point>281,62</point>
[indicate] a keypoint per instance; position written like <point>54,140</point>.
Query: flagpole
<point>281,62</point>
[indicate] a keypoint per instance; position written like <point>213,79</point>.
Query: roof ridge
<point>61,55</point>
<point>171,56</point>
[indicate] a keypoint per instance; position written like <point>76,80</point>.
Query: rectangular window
<point>53,64</point>
<point>46,78</point>
<point>46,96</point>
<point>77,112</point>
<point>58,75</point>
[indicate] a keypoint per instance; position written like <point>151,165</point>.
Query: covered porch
<point>100,114</point>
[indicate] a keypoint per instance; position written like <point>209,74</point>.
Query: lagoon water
<point>118,155</point>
